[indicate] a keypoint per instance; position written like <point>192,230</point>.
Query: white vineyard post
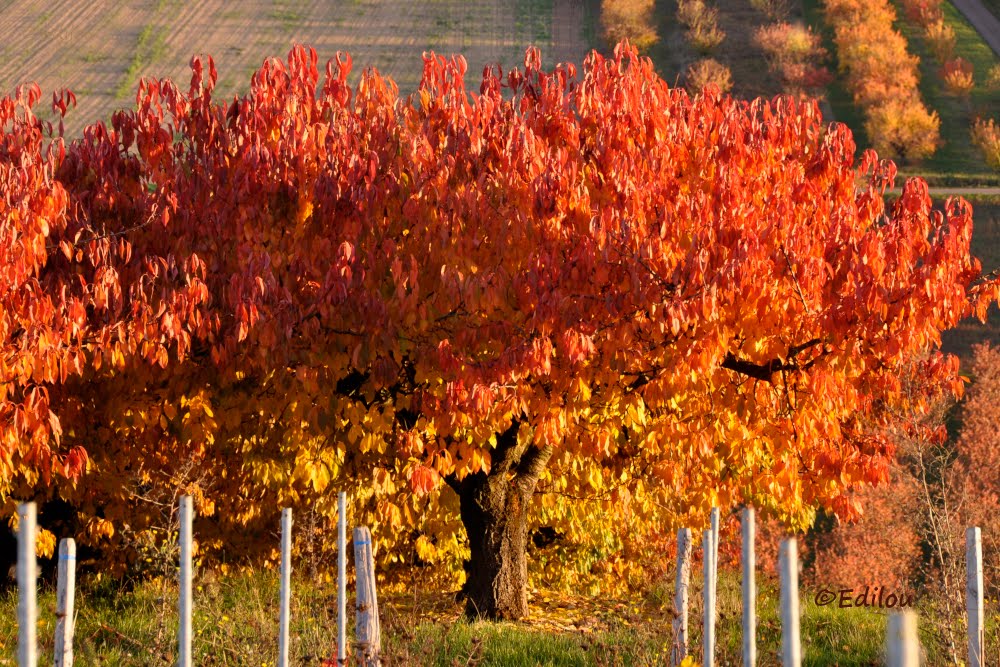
<point>342,579</point>
<point>708,593</point>
<point>685,548</point>
<point>368,632</point>
<point>749,589</point>
<point>184,603</point>
<point>715,555</point>
<point>286,586</point>
<point>65,591</point>
<point>788,565</point>
<point>974,594</point>
<point>26,586</point>
<point>903,649</point>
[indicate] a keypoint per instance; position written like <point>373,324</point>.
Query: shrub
<point>629,19</point>
<point>791,52</point>
<point>923,12</point>
<point>993,78</point>
<point>941,39</point>
<point>882,76</point>
<point>903,128</point>
<point>986,136</point>
<point>705,72</point>
<point>702,22</point>
<point>704,37</point>
<point>957,76</point>
<point>775,10</point>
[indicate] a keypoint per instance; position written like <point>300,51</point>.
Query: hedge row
<point>883,77</point>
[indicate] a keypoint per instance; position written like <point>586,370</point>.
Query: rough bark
<point>494,509</point>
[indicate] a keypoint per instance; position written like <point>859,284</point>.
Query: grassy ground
<point>957,162</point>
<point>985,246</point>
<point>957,159</point>
<point>235,623</point>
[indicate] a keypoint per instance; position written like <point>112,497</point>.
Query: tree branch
<point>764,371</point>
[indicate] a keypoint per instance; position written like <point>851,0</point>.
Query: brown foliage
<point>975,476</point>
<point>941,39</point>
<point>793,52</point>
<point>630,20</point>
<point>775,10</point>
<point>702,24</point>
<point>923,12</point>
<point>883,78</point>
<point>957,76</point>
<point>705,72</point>
<point>986,136</point>
<point>882,548</point>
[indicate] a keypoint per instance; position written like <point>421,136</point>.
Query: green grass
<point>149,47</point>
<point>957,156</point>
<point>235,623</point>
<point>286,14</point>
<point>957,162</point>
<point>535,18</point>
<point>840,99</point>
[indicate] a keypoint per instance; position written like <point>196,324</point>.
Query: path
<point>936,192</point>
<point>983,20</point>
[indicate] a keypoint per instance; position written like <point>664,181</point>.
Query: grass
<point>286,14</point>
<point>149,47</point>
<point>534,18</point>
<point>957,157</point>
<point>840,99</point>
<point>235,623</point>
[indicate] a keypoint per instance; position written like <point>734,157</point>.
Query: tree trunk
<point>494,510</point>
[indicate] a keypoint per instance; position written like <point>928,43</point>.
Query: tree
<point>600,277</point>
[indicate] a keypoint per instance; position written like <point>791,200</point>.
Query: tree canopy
<point>580,281</point>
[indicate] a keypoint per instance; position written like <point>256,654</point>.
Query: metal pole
<point>342,579</point>
<point>903,649</point>
<point>286,582</point>
<point>65,591</point>
<point>684,552</point>
<point>788,560</point>
<point>708,592</point>
<point>27,607</point>
<point>749,589</point>
<point>974,594</point>
<point>184,629</point>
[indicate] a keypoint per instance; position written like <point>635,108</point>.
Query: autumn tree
<point>577,279</point>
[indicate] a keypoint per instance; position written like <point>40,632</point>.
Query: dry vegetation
<point>100,50</point>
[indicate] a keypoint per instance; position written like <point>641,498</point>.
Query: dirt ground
<point>100,49</point>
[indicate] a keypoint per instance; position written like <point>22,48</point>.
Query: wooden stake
<point>788,563</point>
<point>65,591</point>
<point>749,589</point>
<point>184,603</point>
<point>368,631</point>
<point>286,584</point>
<point>903,649</point>
<point>974,594</point>
<point>685,548</point>
<point>27,607</point>
<point>709,597</point>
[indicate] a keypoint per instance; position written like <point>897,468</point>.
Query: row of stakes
<point>902,644</point>
<point>367,629</point>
